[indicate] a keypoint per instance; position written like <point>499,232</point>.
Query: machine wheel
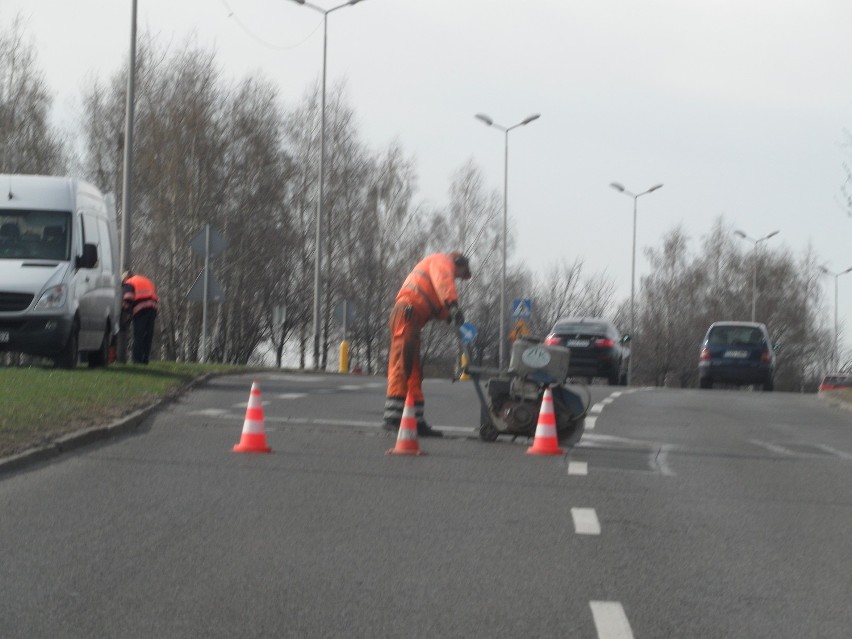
<point>569,429</point>
<point>487,432</point>
<point>100,357</point>
<point>69,355</point>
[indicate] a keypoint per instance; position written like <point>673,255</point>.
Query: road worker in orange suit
<point>140,303</point>
<point>429,292</point>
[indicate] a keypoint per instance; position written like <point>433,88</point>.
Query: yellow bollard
<point>464,376</point>
<point>344,357</point>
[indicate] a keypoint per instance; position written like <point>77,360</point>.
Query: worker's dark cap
<point>462,265</point>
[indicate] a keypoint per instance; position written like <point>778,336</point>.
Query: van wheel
<point>100,357</point>
<point>70,354</point>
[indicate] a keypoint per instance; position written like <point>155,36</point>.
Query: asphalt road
<point>680,514</point>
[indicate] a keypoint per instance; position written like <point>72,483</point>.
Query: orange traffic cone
<point>406,440</point>
<point>546,442</point>
<point>253,439</point>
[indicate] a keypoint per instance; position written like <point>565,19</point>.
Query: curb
<point>86,436</point>
<point>834,401</point>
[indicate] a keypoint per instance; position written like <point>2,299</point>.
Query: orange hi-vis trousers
<point>405,374</point>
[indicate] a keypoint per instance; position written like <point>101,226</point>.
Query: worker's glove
<point>456,316</point>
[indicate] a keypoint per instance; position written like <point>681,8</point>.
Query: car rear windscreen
<point>735,336</point>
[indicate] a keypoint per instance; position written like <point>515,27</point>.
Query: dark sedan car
<point>597,348</point>
<point>737,353</point>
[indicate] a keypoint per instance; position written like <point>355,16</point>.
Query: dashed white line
<point>586,521</point>
<point>610,620</point>
<point>590,423</point>
<point>291,395</point>
<point>596,409</point>
<point>578,468</point>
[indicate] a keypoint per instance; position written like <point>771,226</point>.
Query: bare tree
<point>28,143</point>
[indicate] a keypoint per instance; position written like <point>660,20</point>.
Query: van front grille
<point>13,302</point>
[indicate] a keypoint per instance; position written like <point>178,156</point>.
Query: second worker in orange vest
<point>429,292</point>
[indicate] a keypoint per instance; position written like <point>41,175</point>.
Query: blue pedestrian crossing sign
<point>521,309</point>
<point>467,331</point>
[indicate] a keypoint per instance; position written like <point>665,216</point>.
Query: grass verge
<point>38,405</point>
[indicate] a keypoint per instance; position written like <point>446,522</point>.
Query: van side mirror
<point>89,257</point>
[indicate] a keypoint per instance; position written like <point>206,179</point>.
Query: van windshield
<point>35,235</point>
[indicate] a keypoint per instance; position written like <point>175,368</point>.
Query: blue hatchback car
<point>737,353</point>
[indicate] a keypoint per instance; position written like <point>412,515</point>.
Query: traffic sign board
<point>520,330</point>
<point>467,332</point>
<point>521,309</point>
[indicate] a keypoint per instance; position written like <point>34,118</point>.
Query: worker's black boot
<point>425,430</point>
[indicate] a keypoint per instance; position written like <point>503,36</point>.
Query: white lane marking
<point>596,409</point>
<point>244,405</point>
<point>772,448</point>
<point>351,387</point>
<point>578,468</point>
<point>610,620</point>
<point>590,423</point>
<point>616,394</point>
<point>606,401</point>
<point>586,521</point>
<point>291,395</point>
<point>834,451</point>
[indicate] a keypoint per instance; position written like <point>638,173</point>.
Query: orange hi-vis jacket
<point>139,294</point>
<point>430,288</point>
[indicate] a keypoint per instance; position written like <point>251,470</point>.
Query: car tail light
<point>705,355</point>
<point>764,356</point>
<point>604,343</point>
<point>553,340</point>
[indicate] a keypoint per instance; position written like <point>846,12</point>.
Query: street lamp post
<point>835,358</point>
<point>318,253</point>
<point>488,121</point>
<point>754,270</point>
<point>620,188</point>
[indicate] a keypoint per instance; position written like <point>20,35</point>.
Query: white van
<point>60,288</point>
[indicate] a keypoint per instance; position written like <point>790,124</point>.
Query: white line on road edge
<point>590,423</point>
<point>772,448</point>
<point>607,401</point>
<point>291,395</point>
<point>610,620</point>
<point>596,409</point>
<point>616,394</point>
<point>586,521</point>
<point>578,468</point>
<point>834,451</point>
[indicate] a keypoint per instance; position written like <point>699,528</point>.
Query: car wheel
<point>705,382</point>
<point>70,354</point>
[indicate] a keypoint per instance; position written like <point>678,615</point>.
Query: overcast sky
<point>739,107</point>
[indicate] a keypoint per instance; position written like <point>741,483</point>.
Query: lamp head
<point>617,186</point>
<point>530,118</point>
<point>773,234</point>
<point>655,187</point>
<point>741,234</point>
<point>484,118</point>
